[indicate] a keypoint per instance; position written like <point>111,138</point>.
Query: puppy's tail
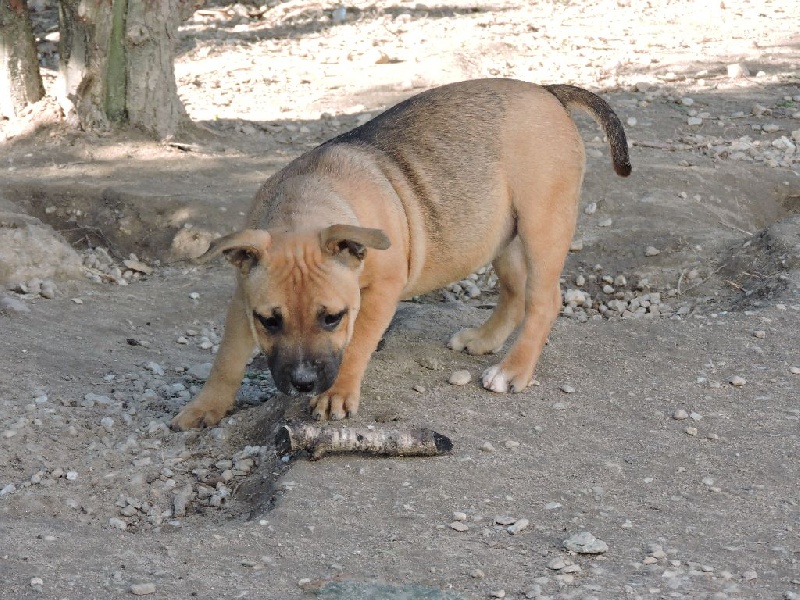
<point>571,96</point>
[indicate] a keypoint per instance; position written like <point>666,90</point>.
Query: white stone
<point>461,377</point>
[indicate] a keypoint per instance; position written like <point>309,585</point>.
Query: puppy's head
<point>302,295</point>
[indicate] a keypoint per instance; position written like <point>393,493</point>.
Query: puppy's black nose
<point>303,378</point>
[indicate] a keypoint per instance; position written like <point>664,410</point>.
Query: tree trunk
<point>20,82</point>
<point>117,63</point>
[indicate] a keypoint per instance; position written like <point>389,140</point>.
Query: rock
<point>459,526</point>
<point>737,381</point>
<point>138,266</point>
<point>694,121</point>
<point>461,377</point>
<point>459,516</point>
<point>143,589</point>
<point>487,447</point>
<point>155,368</point>
<point>30,249</point>
<point>680,415</point>
<point>651,251</point>
<point>117,523</point>
<point>200,371</point>
<point>477,574</point>
<point>181,500</point>
<point>737,71</point>
<point>48,290</point>
<point>518,526</point>
<point>585,543</point>
<point>12,305</point>
<point>567,389</point>
<point>557,564</point>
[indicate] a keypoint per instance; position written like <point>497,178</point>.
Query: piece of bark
<point>319,440</point>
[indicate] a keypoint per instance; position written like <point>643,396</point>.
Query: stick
<point>300,435</point>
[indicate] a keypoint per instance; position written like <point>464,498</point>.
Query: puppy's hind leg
<point>507,315</point>
<point>545,230</point>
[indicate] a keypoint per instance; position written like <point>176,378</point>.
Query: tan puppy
<point>422,195</point>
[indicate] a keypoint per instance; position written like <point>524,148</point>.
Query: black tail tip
<point>623,169</point>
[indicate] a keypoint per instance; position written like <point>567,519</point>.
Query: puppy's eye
<point>272,324</point>
<point>331,321</point>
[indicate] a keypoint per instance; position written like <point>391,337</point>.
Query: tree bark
<point>117,63</point>
<point>20,81</point>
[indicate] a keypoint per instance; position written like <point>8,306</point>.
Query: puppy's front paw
<point>197,414</point>
<point>473,342</point>
<point>335,404</point>
<point>500,379</point>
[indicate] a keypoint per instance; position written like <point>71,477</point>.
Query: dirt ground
<point>668,428</point>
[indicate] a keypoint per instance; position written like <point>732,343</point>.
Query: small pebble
<point>107,423</point>
<point>143,589</point>
<point>794,370</point>
<point>557,564</point>
<point>651,251</point>
<point>691,431</point>
<point>749,575</point>
<point>487,447</point>
<point>117,523</point>
<point>737,381</point>
<point>498,594</point>
<point>585,543</point>
<point>680,415</point>
<point>459,526</point>
<point>37,581</point>
<point>694,121</point>
<point>459,516</point>
<point>461,377</point>
<point>517,527</point>
<point>477,574</point>
<point>567,389</point>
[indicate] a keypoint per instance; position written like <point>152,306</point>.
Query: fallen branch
<point>318,440</point>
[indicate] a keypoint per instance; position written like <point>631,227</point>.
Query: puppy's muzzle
<point>304,377</point>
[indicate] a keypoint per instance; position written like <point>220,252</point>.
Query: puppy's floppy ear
<point>242,249</point>
<point>352,241</point>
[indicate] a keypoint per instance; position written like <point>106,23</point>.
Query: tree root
<point>318,441</point>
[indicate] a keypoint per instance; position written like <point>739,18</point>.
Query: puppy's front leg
<point>377,309</point>
<point>219,392</point>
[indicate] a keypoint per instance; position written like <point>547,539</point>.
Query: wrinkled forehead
<point>295,271</point>
<point>297,256</point>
